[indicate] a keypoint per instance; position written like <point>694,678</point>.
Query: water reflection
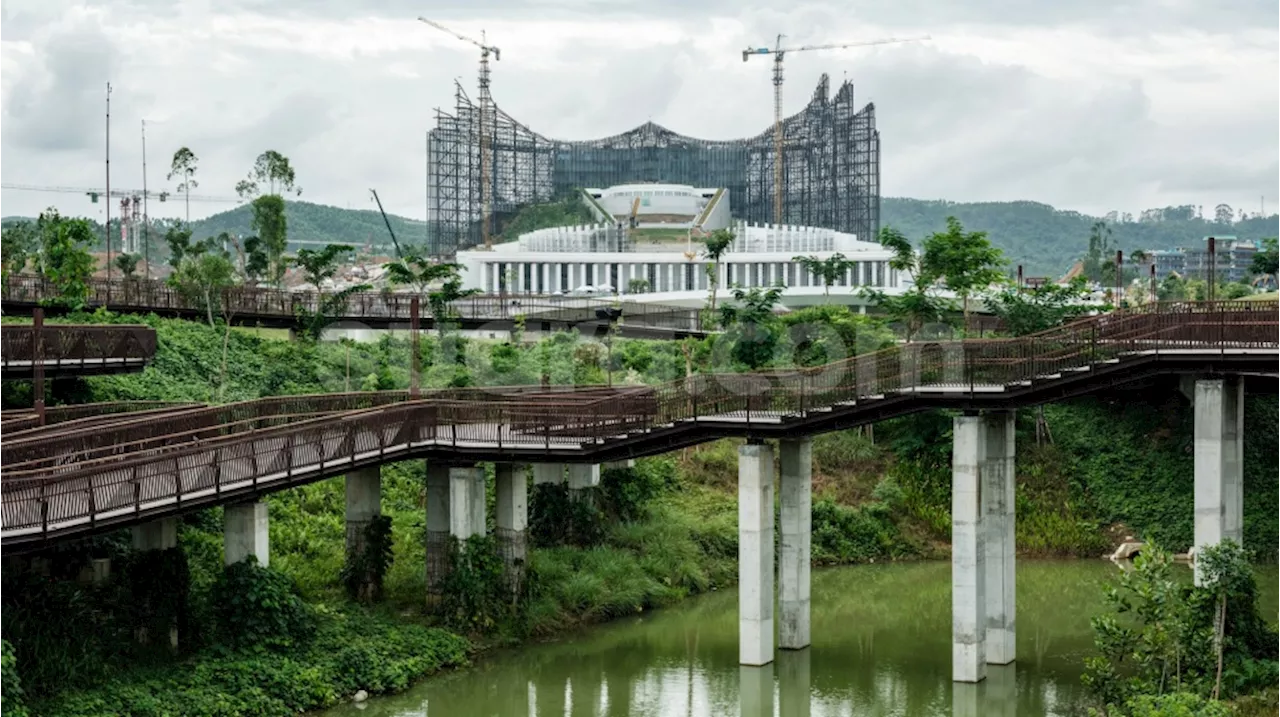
<point>881,646</point>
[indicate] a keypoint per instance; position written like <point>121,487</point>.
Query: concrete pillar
<point>755,555</point>
<point>159,534</point>
<point>998,481</point>
<point>512,519</point>
<point>462,500</point>
<point>552,473</point>
<point>755,691</point>
<point>437,525</point>
<point>617,465</point>
<point>583,476</point>
<point>797,516</point>
<point>1219,462</point>
<point>245,532</point>
<point>364,503</point>
<point>968,552</point>
<point>101,570</point>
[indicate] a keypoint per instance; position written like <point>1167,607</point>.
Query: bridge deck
<point>79,483</point>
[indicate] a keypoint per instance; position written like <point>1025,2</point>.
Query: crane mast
<point>779,52</point>
<point>486,103</point>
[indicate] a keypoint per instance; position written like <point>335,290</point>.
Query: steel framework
<point>830,172</point>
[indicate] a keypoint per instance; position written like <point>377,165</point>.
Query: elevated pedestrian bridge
<point>71,480</point>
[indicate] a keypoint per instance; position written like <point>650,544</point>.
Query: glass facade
<point>831,168</point>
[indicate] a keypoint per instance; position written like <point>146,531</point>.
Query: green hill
<point>1046,241</point>
<point>322,224</point>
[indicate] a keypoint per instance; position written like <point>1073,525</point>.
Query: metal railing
<point>243,303</point>
<point>156,464</point>
<point>70,347</point>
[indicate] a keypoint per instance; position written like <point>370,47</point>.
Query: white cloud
<point>1091,106</point>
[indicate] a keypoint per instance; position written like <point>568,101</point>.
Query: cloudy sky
<point>1091,105</point>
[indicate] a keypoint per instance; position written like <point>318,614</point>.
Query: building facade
<point>1232,261</point>
<point>830,177</point>
<point>604,259</point>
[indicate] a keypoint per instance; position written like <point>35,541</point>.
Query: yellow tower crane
<point>486,102</point>
<point>778,52</point>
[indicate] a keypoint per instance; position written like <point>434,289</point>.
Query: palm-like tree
<point>829,270</point>
<point>716,246</point>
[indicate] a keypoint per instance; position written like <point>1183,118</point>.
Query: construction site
<point>819,167</point>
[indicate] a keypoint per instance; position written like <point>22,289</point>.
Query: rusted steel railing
<point>156,464</point>
<point>78,414</point>
<point>148,295</point>
<point>71,347</point>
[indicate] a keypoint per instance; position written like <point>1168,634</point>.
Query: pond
<point>881,646</point>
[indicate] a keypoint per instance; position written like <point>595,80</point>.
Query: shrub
<point>255,606</point>
<point>11,687</point>
<point>474,592</point>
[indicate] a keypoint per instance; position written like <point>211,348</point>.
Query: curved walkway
<point>134,471</point>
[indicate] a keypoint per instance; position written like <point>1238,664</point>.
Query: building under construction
<point>830,173</point>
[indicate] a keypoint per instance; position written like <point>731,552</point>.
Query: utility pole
<point>146,222</point>
<point>107,228</point>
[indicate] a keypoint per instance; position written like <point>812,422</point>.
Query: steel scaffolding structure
<point>831,168</point>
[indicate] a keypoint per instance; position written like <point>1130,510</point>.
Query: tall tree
<point>19,243</point>
<point>1223,214</point>
<point>714,248</point>
<point>184,165</point>
<point>1097,264</point>
<point>829,270</point>
<point>127,264</point>
<point>965,261</point>
<point>179,241</point>
<point>319,266</point>
<point>752,326</point>
<point>415,269</point>
<point>202,273</point>
<point>272,170</point>
<point>64,258</point>
<point>1264,262</point>
<point>919,304</point>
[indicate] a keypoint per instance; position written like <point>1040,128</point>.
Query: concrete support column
<point>755,555</point>
<point>968,552</point>
<point>552,473</point>
<point>364,503</point>
<point>512,519</point>
<point>582,477</point>
<point>617,465</point>
<point>1219,462</point>
<point>245,532</point>
<point>998,483</point>
<point>463,497</point>
<point>797,517</point>
<point>438,525</point>
<point>159,534</point>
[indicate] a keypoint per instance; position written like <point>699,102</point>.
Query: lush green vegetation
<point>1046,241</point>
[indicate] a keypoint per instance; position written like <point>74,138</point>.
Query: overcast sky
<point>1091,105</point>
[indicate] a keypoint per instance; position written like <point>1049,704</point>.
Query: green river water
<point>881,646</point>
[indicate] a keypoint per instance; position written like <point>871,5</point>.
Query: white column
<point>755,554</point>
<point>364,503</point>
<point>548,473</point>
<point>1219,453</point>
<point>512,520</point>
<point>793,569</point>
<point>245,532</point>
<point>583,476</point>
<point>968,552</point>
<point>462,514</point>
<point>438,524</point>
<point>998,481</point>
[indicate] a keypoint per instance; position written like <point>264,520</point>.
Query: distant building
<point>1232,261</point>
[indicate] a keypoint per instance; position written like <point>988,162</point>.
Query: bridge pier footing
<point>796,518</point>
<point>245,532</point>
<point>755,554</point>
<point>1219,462</point>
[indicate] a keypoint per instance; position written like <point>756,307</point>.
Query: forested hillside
<point>321,223</point>
<point>1046,240</point>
